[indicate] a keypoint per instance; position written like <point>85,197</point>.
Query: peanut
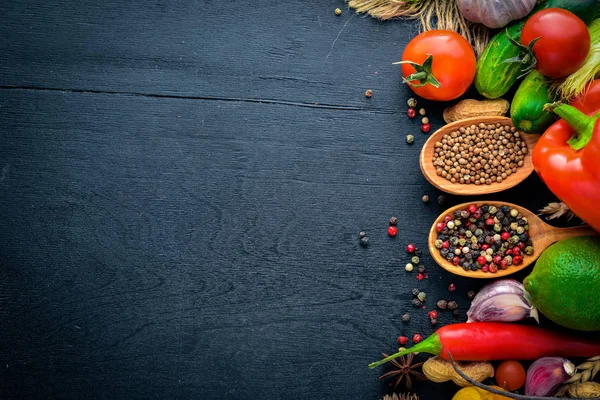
<point>469,108</point>
<point>586,390</point>
<point>438,370</point>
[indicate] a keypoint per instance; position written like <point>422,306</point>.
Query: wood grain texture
<point>542,235</point>
<point>181,189</point>
<point>429,171</point>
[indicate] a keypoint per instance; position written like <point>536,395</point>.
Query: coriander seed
<point>425,199</point>
<point>368,93</point>
<point>338,11</point>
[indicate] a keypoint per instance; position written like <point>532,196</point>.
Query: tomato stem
<point>526,56</point>
<point>580,122</point>
<point>422,73</point>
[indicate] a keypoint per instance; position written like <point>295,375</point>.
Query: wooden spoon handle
<point>556,234</point>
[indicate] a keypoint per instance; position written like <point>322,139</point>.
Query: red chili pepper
<point>567,156</point>
<point>471,342</point>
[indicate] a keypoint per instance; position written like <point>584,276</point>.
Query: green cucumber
<point>493,76</point>
<point>527,108</point>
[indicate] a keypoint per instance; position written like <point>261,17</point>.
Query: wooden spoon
<point>441,183</point>
<point>542,234</point>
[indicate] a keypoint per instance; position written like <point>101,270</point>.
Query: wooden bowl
<point>428,168</point>
<point>542,235</point>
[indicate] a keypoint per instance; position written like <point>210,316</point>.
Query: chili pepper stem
<point>580,122</point>
<point>431,345</point>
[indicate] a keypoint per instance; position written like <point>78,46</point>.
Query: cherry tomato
<point>453,64</point>
<point>564,41</point>
<point>510,373</point>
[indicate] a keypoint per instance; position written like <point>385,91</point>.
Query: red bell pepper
<point>567,156</point>
<point>487,341</point>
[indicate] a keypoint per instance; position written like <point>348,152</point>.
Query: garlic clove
<point>545,375</point>
<point>502,308</point>
<point>498,287</point>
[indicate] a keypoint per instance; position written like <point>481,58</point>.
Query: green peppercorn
<point>468,234</point>
<point>422,296</point>
<point>412,102</point>
<point>462,241</point>
<point>457,222</point>
<point>438,244</point>
<point>415,260</point>
<point>497,227</point>
<point>514,212</point>
<point>478,232</point>
<point>508,259</point>
<point>473,240</point>
<point>492,210</point>
<point>410,139</point>
<point>514,226</point>
<point>338,11</point>
<point>520,230</point>
<point>529,250</point>
<point>513,239</point>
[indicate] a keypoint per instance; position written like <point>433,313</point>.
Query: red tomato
<point>564,41</point>
<point>512,374</point>
<point>453,64</point>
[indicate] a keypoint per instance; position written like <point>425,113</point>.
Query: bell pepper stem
<point>580,122</point>
<point>431,345</point>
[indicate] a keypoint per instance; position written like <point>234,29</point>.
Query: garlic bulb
<point>545,375</point>
<point>504,300</point>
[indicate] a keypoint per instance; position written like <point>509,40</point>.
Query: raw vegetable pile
<point>540,61</point>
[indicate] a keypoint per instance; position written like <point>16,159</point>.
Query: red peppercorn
<point>402,340</point>
<point>392,230</point>
<point>493,268</point>
<point>521,245</point>
<point>517,260</point>
<point>505,236</point>
<point>411,112</point>
<point>456,260</point>
<point>504,263</point>
<point>467,224</point>
<point>481,260</point>
<point>426,127</point>
<point>497,259</point>
<point>448,218</point>
<point>440,226</point>
<point>485,246</point>
<point>445,245</point>
<point>516,251</point>
<point>452,287</point>
<point>472,208</point>
<point>477,214</point>
<point>420,276</point>
<point>417,338</point>
<point>489,221</point>
<point>432,314</point>
<point>508,252</point>
<point>485,268</point>
<point>410,248</point>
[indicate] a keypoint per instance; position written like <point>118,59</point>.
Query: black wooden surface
<point>182,186</point>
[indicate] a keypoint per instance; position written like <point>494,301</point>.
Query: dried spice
<point>556,210</point>
<point>401,396</point>
<point>403,370</point>
<point>479,154</point>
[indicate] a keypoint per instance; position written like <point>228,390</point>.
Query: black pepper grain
<point>452,305</point>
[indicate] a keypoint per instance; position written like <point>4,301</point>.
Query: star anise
<point>404,368</point>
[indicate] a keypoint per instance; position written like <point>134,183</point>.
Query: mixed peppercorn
<point>485,238</point>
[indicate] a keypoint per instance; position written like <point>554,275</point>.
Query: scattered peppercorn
<point>338,11</point>
<point>451,287</point>
<point>412,102</point>
<point>432,314</point>
<point>410,139</point>
<point>402,340</point>
<point>411,112</point>
<point>417,338</point>
<point>480,154</point>
<point>415,292</point>
<point>416,302</point>
<point>425,128</point>
<point>364,241</point>
<point>406,317</point>
<point>471,294</point>
<point>434,321</point>
<point>408,267</point>
<point>442,304</point>
<point>420,276</point>
<point>452,305</point>
<point>361,234</point>
<point>441,199</point>
<point>422,296</point>
<point>392,231</point>
<point>415,260</point>
<point>393,221</point>
<point>421,269</point>
<point>368,93</point>
<point>424,120</point>
<point>425,198</point>
<point>422,111</point>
